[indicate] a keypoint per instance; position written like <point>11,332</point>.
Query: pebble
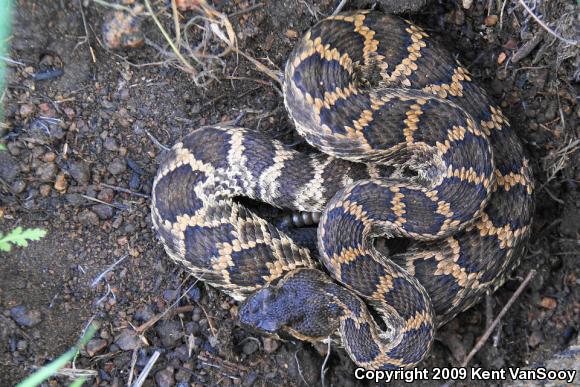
<point>75,199</point>
<point>70,112</point>
<point>18,186</point>
<point>21,345</point>
<point>89,218</point>
<point>196,315</point>
<point>103,211</point>
<point>122,30</point>
<point>164,378</point>
<point>250,347</point>
<point>49,157</point>
<point>548,303</point>
<point>25,318</point>
<point>490,20</point>
<point>270,345</point>
<point>94,346</point>
<point>250,379</point>
<point>118,166</point>
<point>46,172</point>
<point>26,110</point>
<point>143,314</point>
<point>194,294</point>
<point>60,184</point>
<point>110,144</point>
<point>192,328</point>
<point>128,340</point>
<point>169,295</point>
<point>8,167</point>
<point>292,34</point>
<point>182,353</point>
<point>79,171</point>
<point>45,190</point>
<point>13,148</point>
<point>170,333</point>
<point>134,182</point>
<point>535,339</point>
<point>106,195</point>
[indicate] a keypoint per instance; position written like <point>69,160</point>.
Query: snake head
<point>260,310</point>
<point>299,304</point>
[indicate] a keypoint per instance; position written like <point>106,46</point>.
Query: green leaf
<point>48,370</point>
<point>20,237</point>
<point>2,147</point>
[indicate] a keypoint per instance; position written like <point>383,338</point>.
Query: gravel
<point>24,317</point>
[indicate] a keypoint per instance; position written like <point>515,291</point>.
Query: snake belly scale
<point>409,148</point>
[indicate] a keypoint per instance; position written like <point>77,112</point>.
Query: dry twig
<point>496,321</point>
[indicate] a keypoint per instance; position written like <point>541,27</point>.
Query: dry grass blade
<point>186,65</point>
<point>545,26</point>
<point>270,73</point>
<point>558,160</point>
<point>147,369</point>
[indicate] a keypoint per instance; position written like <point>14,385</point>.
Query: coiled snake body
<point>411,149</point>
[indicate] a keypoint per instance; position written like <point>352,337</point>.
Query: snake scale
<point>411,150</point>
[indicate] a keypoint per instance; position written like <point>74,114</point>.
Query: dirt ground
<point>81,155</point>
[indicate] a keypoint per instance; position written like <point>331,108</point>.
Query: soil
<point>80,160</point>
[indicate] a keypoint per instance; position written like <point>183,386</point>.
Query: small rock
<point>250,347</point>
<point>270,345</point>
<point>128,340</point>
<point>182,353</point>
<point>8,167</point>
<point>103,211</point>
<point>535,339</point>
<point>45,190</point>
<point>26,110</point>
<point>143,314</point>
<point>89,218</point>
<point>95,345</point>
<point>491,20</point>
<point>187,5</point>
<point>548,303</point>
<point>49,157</point>
<point>169,332</point>
<point>105,334</point>
<point>169,295</point>
<point>70,112</point>
<point>110,144</point>
<point>25,318</point>
<point>75,199</point>
<point>79,171</point>
<point>196,315</point>
<point>183,376</point>
<point>122,30</point>
<point>194,294</point>
<point>192,328</point>
<point>117,166</point>
<point>164,378</point>
<point>292,34</point>
<point>21,345</point>
<point>501,57</point>
<point>250,379</point>
<point>106,195</point>
<point>60,184</point>
<point>46,172</point>
<point>18,186</point>
<point>134,182</point>
<point>13,148</point>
